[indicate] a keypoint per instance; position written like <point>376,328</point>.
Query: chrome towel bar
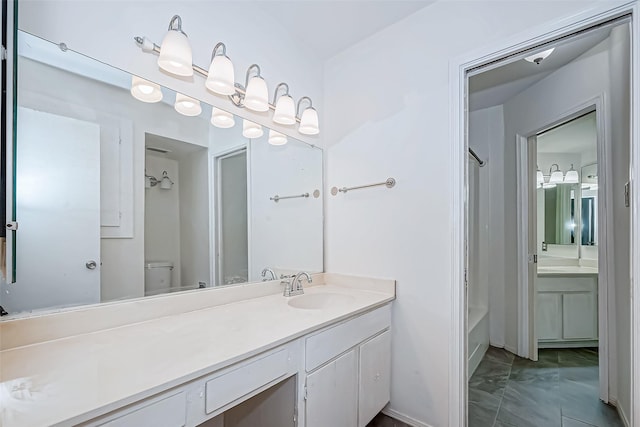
<point>389,183</point>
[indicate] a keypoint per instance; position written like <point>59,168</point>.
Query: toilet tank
<point>157,277</point>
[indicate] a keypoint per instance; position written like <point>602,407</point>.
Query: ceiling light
<point>285,112</point>
<point>556,176</point>
<point>276,138</point>
<point>144,90</point>
<point>251,130</point>
<point>175,50</point>
<point>221,77</point>
<point>572,176</point>
<point>187,105</point>
<point>256,97</point>
<point>222,119</point>
<point>540,56</point>
<point>309,119</point>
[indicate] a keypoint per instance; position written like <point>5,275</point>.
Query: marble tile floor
<point>382,420</point>
<point>559,390</point>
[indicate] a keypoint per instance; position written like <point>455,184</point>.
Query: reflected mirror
<point>125,189</point>
<point>567,188</point>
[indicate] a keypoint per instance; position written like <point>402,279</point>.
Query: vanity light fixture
<point>571,176</point>
<point>256,97</point>
<point>175,50</point>
<point>309,118</point>
<point>144,90</point>
<point>222,119</point>
<point>251,130</point>
<point>221,78</point>
<point>277,138</point>
<point>537,58</point>
<point>187,106</point>
<point>151,181</point>
<point>165,182</point>
<point>285,113</point>
<point>556,176</point>
<point>175,55</point>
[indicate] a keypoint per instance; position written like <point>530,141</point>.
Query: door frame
<point>458,85</point>
<point>527,290</point>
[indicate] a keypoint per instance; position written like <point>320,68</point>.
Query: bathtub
<point>478,327</point>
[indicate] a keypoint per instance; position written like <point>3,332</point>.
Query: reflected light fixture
<point>221,78</point>
<point>556,176</point>
<point>285,112</point>
<point>571,176</point>
<point>175,50</point>
<point>548,185</point>
<point>537,58</point>
<point>309,118</point>
<point>187,106</point>
<point>276,138</point>
<point>144,90</point>
<point>539,178</point>
<point>251,130</point>
<point>222,119</point>
<point>256,97</point>
<point>165,181</point>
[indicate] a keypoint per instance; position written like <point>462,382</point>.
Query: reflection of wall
<point>286,235</point>
<point>162,216</point>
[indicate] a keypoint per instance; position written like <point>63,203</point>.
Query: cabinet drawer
<point>326,345</point>
<point>234,384</point>
<point>375,377</point>
<point>168,412</point>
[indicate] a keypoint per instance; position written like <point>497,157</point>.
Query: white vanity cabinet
<point>567,310</point>
<point>349,367</point>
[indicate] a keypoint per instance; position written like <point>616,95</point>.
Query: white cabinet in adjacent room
<point>579,316</point>
<point>374,390</point>
<point>549,316</point>
<point>332,393</point>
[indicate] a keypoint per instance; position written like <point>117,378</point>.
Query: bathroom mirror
<point>589,205</point>
<point>118,198</point>
<point>559,215</point>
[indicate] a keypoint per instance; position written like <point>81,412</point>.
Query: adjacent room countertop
<point>557,270</point>
<point>79,377</point>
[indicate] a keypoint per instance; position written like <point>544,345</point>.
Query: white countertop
<point>79,377</point>
<point>569,270</point>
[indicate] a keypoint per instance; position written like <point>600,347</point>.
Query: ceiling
<point>497,85</point>
<point>328,27</point>
<point>575,137</point>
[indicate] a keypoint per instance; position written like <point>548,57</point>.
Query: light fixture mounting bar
<point>148,46</point>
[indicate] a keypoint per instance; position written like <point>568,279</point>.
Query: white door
<point>58,212</point>
<point>332,393</point>
<point>532,240</point>
<point>375,377</point>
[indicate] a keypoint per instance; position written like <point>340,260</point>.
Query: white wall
<point>105,29</point>
<point>194,219</point>
<point>374,132</point>
<point>162,216</point>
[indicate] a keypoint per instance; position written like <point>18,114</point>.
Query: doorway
<point>512,107</point>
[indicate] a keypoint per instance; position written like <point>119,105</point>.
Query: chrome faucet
<point>271,272</point>
<point>294,287</point>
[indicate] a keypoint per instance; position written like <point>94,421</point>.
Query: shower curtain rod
<point>475,156</point>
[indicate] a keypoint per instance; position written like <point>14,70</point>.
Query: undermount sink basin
<point>320,301</point>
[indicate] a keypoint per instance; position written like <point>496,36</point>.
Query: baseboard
<point>405,419</point>
<point>623,416</point>
<point>476,358</point>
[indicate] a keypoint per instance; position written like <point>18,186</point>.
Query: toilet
<point>157,277</point>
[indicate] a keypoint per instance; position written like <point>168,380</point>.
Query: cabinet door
<point>580,318</point>
<point>332,393</point>
<point>375,373</point>
<point>549,316</point>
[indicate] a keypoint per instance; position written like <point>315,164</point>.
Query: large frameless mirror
<point>125,189</point>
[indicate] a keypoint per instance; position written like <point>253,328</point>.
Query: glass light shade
<point>285,113</point>
<point>309,122</point>
<point>187,105</point>
<point>276,138</point>
<point>144,90</point>
<point>175,54</point>
<point>539,177</point>
<point>556,177</point>
<point>251,130</point>
<point>256,97</point>
<point>221,77</point>
<point>540,56</point>
<point>165,183</point>
<point>147,182</point>
<point>571,177</point>
<point>222,119</point>
<point>548,185</point>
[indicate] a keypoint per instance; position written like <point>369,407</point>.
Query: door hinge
<point>306,393</point>
<point>533,258</point>
<point>3,53</point>
<point>13,225</point>
<point>627,194</point>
